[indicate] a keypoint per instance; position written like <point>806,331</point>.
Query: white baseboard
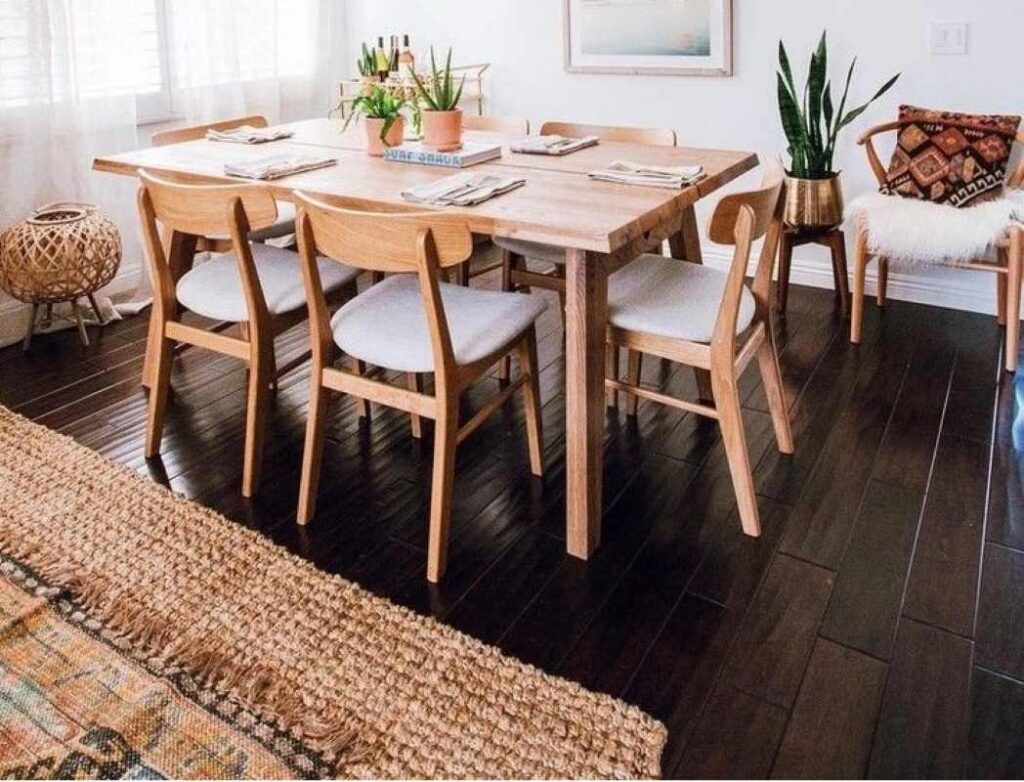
<point>14,314</point>
<point>959,289</point>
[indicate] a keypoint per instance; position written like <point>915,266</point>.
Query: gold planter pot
<point>814,203</point>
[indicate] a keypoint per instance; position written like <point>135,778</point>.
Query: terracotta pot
<point>814,203</point>
<point>442,130</point>
<point>374,145</point>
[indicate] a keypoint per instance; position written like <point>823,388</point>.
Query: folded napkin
<point>247,134</point>
<point>461,189</point>
<point>552,145</point>
<point>628,173</point>
<point>277,166</point>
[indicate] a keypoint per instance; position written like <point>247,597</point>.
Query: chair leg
<point>611,371</point>
<point>634,361</point>
<point>27,342</point>
<point>727,402</point>
<point>256,414</point>
<point>507,262</point>
<point>705,391</point>
<point>1015,271</point>
<point>883,280</point>
<point>1001,289</point>
<point>860,264</point>
<point>414,382</point>
<point>768,363</point>
<point>158,393</point>
<point>531,401</point>
<point>446,431</point>
<point>362,405</point>
<point>312,454</point>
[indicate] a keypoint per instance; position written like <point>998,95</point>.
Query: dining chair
<point>511,126</point>
<point>284,225</point>
<point>411,322</point>
<point>1007,263</point>
<point>711,320</point>
<point>516,254</point>
<point>256,286</point>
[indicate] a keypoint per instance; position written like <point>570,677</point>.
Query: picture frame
<point>648,37</point>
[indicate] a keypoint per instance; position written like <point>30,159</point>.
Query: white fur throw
<point>909,231</point>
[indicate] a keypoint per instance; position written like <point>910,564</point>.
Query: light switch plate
<point>949,38</point>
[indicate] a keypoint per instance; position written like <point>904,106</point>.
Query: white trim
<point>958,289</point>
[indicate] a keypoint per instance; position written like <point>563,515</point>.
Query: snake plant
<point>379,103</point>
<point>441,93</point>
<point>812,123</point>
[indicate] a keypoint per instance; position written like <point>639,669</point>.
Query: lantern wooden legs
<point>48,317</point>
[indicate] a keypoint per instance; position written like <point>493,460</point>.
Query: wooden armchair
<point>1008,268</point>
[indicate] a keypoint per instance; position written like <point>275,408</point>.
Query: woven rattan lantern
<point>63,252</point>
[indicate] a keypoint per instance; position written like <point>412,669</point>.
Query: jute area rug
<point>143,636</point>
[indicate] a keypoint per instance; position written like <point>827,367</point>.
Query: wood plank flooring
<point>874,629</point>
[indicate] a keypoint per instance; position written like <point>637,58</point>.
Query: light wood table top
<point>558,205</point>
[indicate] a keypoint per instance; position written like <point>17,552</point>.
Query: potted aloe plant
<point>367,64</point>
<point>442,117</point>
<point>812,124</point>
<point>381,111</point>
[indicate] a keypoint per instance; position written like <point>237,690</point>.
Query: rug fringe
<point>151,638</point>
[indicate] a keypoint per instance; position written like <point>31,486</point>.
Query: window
<point>88,49</point>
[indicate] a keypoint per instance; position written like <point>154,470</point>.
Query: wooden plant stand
<point>830,237</point>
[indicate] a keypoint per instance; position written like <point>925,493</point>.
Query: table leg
<point>785,260</point>
<point>686,244</point>
<point>838,242</point>
<point>586,284</point>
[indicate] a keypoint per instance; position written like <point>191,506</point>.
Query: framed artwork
<point>659,37</point>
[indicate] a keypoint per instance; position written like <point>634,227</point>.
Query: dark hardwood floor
<point>876,628</point>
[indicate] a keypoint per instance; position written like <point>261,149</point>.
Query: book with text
<point>469,155</point>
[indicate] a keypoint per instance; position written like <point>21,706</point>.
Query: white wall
<point>523,39</point>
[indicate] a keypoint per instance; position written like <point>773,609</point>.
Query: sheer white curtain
<point>77,77</point>
<point>265,57</point>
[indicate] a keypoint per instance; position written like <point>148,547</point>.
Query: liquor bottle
<point>383,63</point>
<point>393,58</point>
<point>406,60</point>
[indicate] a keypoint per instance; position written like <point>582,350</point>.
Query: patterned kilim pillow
<point>949,158</point>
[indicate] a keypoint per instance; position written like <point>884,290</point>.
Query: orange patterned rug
<point>144,636</point>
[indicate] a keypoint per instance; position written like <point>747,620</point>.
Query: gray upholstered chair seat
<point>387,325</point>
<point>534,251</point>
<point>214,288</point>
<point>671,298</point>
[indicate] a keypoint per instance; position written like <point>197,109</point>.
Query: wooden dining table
<point>601,225</point>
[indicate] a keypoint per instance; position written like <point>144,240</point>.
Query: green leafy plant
<point>440,94</point>
<point>367,63</point>
<point>812,123</point>
<point>380,103</point>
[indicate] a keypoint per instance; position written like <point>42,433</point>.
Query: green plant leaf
<point>854,113</point>
<point>787,72</point>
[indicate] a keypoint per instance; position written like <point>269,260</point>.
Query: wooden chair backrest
<point>189,212</point>
<point>1014,178</point>
<point>739,220</point>
<point>511,126</point>
<point>421,242</point>
<point>177,135</point>
<point>655,137</point>
<point>207,210</point>
<point>385,241</point>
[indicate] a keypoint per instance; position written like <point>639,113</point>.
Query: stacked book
<point>277,166</point>
<point>247,134</point>
<point>469,154</point>
<point>461,189</point>
<point>552,145</point>
<point>628,173</point>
